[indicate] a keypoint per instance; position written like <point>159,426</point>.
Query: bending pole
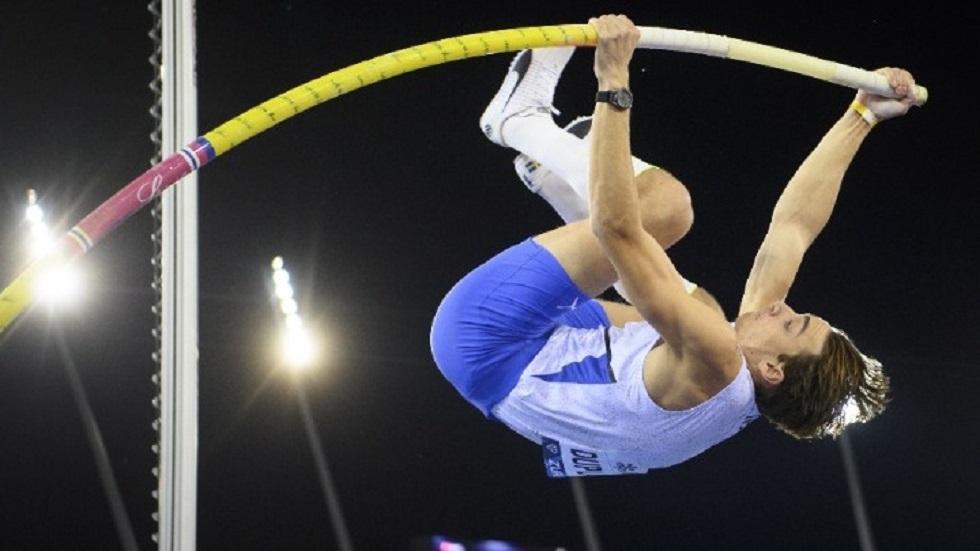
<point>138,193</point>
<point>658,38</point>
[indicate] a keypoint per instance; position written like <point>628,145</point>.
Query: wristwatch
<point>621,98</point>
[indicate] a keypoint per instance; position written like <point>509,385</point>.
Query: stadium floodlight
<point>298,348</point>
<point>39,238</point>
<point>59,283</point>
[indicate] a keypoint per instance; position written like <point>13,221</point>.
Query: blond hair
<point>821,394</point>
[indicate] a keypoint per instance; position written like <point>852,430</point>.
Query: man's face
<point>778,330</point>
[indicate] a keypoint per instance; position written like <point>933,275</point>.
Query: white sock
<point>569,206</point>
<point>567,156</point>
<point>564,154</point>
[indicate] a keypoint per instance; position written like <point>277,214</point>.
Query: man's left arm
<point>808,200</point>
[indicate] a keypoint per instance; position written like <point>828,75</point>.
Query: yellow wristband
<point>865,113</point>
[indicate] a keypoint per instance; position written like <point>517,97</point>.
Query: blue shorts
<point>495,320</point>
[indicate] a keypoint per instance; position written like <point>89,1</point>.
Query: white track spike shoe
<point>528,88</point>
<point>532,173</point>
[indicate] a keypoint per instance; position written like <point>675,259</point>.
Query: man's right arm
<point>695,334</point>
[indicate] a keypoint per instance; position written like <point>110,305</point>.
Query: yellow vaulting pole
<point>138,193</point>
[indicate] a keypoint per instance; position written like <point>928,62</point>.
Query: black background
<point>379,200</point>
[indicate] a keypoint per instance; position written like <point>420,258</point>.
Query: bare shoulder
<point>674,384</point>
<point>709,359</point>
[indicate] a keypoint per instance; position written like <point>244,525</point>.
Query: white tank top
<point>611,425</point>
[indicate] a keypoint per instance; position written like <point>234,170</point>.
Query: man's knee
<point>666,205</point>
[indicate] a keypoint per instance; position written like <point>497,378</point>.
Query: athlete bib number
<point>567,461</point>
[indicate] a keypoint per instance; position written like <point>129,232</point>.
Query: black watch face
<point>622,99</point>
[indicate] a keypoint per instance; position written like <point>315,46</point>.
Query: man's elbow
<point>611,230</point>
<point>800,230</point>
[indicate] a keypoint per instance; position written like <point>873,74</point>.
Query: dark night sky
<point>379,200</point>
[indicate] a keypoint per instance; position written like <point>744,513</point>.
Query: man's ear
<point>771,371</point>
